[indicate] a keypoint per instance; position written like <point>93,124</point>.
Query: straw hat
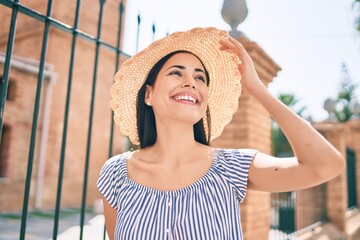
<point>224,86</point>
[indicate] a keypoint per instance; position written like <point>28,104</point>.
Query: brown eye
<point>201,78</point>
<point>175,72</point>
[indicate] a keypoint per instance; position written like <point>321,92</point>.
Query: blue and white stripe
<point>207,209</point>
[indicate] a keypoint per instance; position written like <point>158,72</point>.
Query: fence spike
<point>121,7</point>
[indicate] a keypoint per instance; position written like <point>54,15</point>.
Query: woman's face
<point>180,91</point>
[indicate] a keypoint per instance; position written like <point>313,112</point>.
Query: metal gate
<point>49,22</point>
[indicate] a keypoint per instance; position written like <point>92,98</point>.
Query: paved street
<point>40,226</point>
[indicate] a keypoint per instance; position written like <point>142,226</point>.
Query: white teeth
<point>184,97</point>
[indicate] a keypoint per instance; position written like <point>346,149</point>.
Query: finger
<point>230,50</point>
<point>236,43</point>
<point>229,47</point>
<point>239,47</point>
<point>236,48</point>
<point>223,47</point>
<point>241,68</point>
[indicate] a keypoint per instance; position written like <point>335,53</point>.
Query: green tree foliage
<point>345,95</point>
<point>280,145</point>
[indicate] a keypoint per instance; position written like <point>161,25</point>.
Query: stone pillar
<point>353,142</point>
<point>250,128</point>
<point>336,204</point>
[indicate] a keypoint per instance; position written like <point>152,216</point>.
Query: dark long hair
<point>146,126</point>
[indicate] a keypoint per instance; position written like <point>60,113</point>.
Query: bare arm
<point>316,159</point>
<point>110,218</point>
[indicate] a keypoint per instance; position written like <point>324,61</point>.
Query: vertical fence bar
<point>138,32</point>
<point>117,61</point>
<point>351,178</point>
<point>153,32</point>
<point>83,202</point>
<point>66,116</point>
<point>35,121</point>
<point>5,78</point>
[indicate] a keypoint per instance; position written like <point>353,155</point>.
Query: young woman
<point>172,99</point>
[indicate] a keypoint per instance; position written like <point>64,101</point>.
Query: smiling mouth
<point>185,99</point>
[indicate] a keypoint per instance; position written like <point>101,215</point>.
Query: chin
<point>190,118</point>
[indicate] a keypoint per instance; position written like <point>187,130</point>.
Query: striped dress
<point>206,209</point>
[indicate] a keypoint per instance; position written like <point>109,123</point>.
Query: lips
<point>186,98</point>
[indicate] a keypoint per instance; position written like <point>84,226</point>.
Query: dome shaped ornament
<point>234,12</point>
<point>330,106</point>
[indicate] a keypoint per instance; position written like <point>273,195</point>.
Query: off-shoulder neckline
<point>128,155</point>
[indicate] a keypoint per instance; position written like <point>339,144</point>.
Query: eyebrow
<point>183,67</point>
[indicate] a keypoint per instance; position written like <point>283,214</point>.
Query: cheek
<point>160,91</point>
<point>204,91</point>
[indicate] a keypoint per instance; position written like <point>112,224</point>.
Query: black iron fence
<point>293,213</point>
<point>51,23</point>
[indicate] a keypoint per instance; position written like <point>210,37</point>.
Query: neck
<point>174,142</point>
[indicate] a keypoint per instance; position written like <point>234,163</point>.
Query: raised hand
<point>250,80</point>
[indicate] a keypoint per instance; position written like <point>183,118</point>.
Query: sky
<point>308,39</point>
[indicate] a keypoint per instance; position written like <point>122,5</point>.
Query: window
<point>351,178</point>
<point>11,89</point>
<point>4,150</point>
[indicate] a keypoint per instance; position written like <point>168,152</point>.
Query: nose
<point>189,83</point>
